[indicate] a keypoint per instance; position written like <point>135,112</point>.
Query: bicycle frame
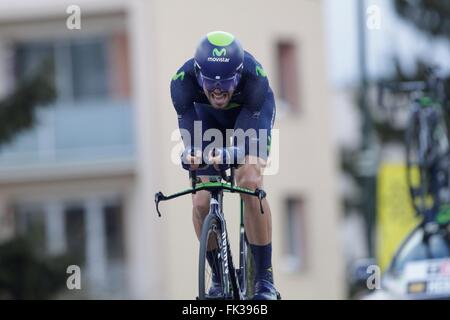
<point>433,146</point>
<point>426,128</point>
<point>216,209</point>
<point>238,278</point>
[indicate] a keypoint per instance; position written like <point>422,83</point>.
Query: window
<point>92,233</point>
<point>75,227</point>
<point>89,74</point>
<point>30,223</point>
<point>83,69</point>
<point>29,57</point>
<point>114,230</point>
<point>288,86</point>
<point>295,237</point>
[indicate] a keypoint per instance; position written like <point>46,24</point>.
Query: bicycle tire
<point>211,227</point>
<point>415,162</point>
<point>247,269</point>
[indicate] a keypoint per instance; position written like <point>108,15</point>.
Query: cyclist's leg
<point>200,200</point>
<point>200,210</point>
<point>258,226</point>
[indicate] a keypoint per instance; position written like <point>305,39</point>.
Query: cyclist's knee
<point>200,202</point>
<point>249,176</point>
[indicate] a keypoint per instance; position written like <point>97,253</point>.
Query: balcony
<point>86,133</point>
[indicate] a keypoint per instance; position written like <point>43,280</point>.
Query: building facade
<point>84,177</point>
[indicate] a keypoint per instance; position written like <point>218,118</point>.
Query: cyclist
<point>224,87</point>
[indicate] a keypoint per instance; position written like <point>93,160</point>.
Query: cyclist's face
<point>217,98</point>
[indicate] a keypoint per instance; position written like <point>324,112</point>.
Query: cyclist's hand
<point>194,161</point>
<point>219,158</point>
<point>191,159</point>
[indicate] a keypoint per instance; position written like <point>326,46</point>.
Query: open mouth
<point>219,97</point>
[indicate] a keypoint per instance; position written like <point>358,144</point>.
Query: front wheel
<point>209,240</point>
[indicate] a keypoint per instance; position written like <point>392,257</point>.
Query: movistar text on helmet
<point>218,59</point>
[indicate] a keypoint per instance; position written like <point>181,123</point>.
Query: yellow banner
<point>396,216</point>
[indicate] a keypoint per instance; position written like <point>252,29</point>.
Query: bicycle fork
<point>229,276</point>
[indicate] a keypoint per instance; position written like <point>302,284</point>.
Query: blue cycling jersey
<point>252,105</point>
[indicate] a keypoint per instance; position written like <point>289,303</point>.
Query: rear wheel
<point>246,268</point>
<point>417,149</point>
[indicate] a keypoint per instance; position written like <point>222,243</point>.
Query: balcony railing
<point>81,132</point>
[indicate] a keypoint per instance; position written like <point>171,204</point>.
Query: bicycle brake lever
<point>261,196</point>
<point>158,197</point>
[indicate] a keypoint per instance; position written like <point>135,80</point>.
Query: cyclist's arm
<point>255,95</point>
<point>182,93</point>
<point>256,85</point>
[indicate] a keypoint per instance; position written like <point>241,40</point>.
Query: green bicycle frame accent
<point>443,217</point>
<point>425,101</point>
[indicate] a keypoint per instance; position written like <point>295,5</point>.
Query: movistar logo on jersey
<point>217,55</point>
<point>260,71</point>
<point>179,75</point>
